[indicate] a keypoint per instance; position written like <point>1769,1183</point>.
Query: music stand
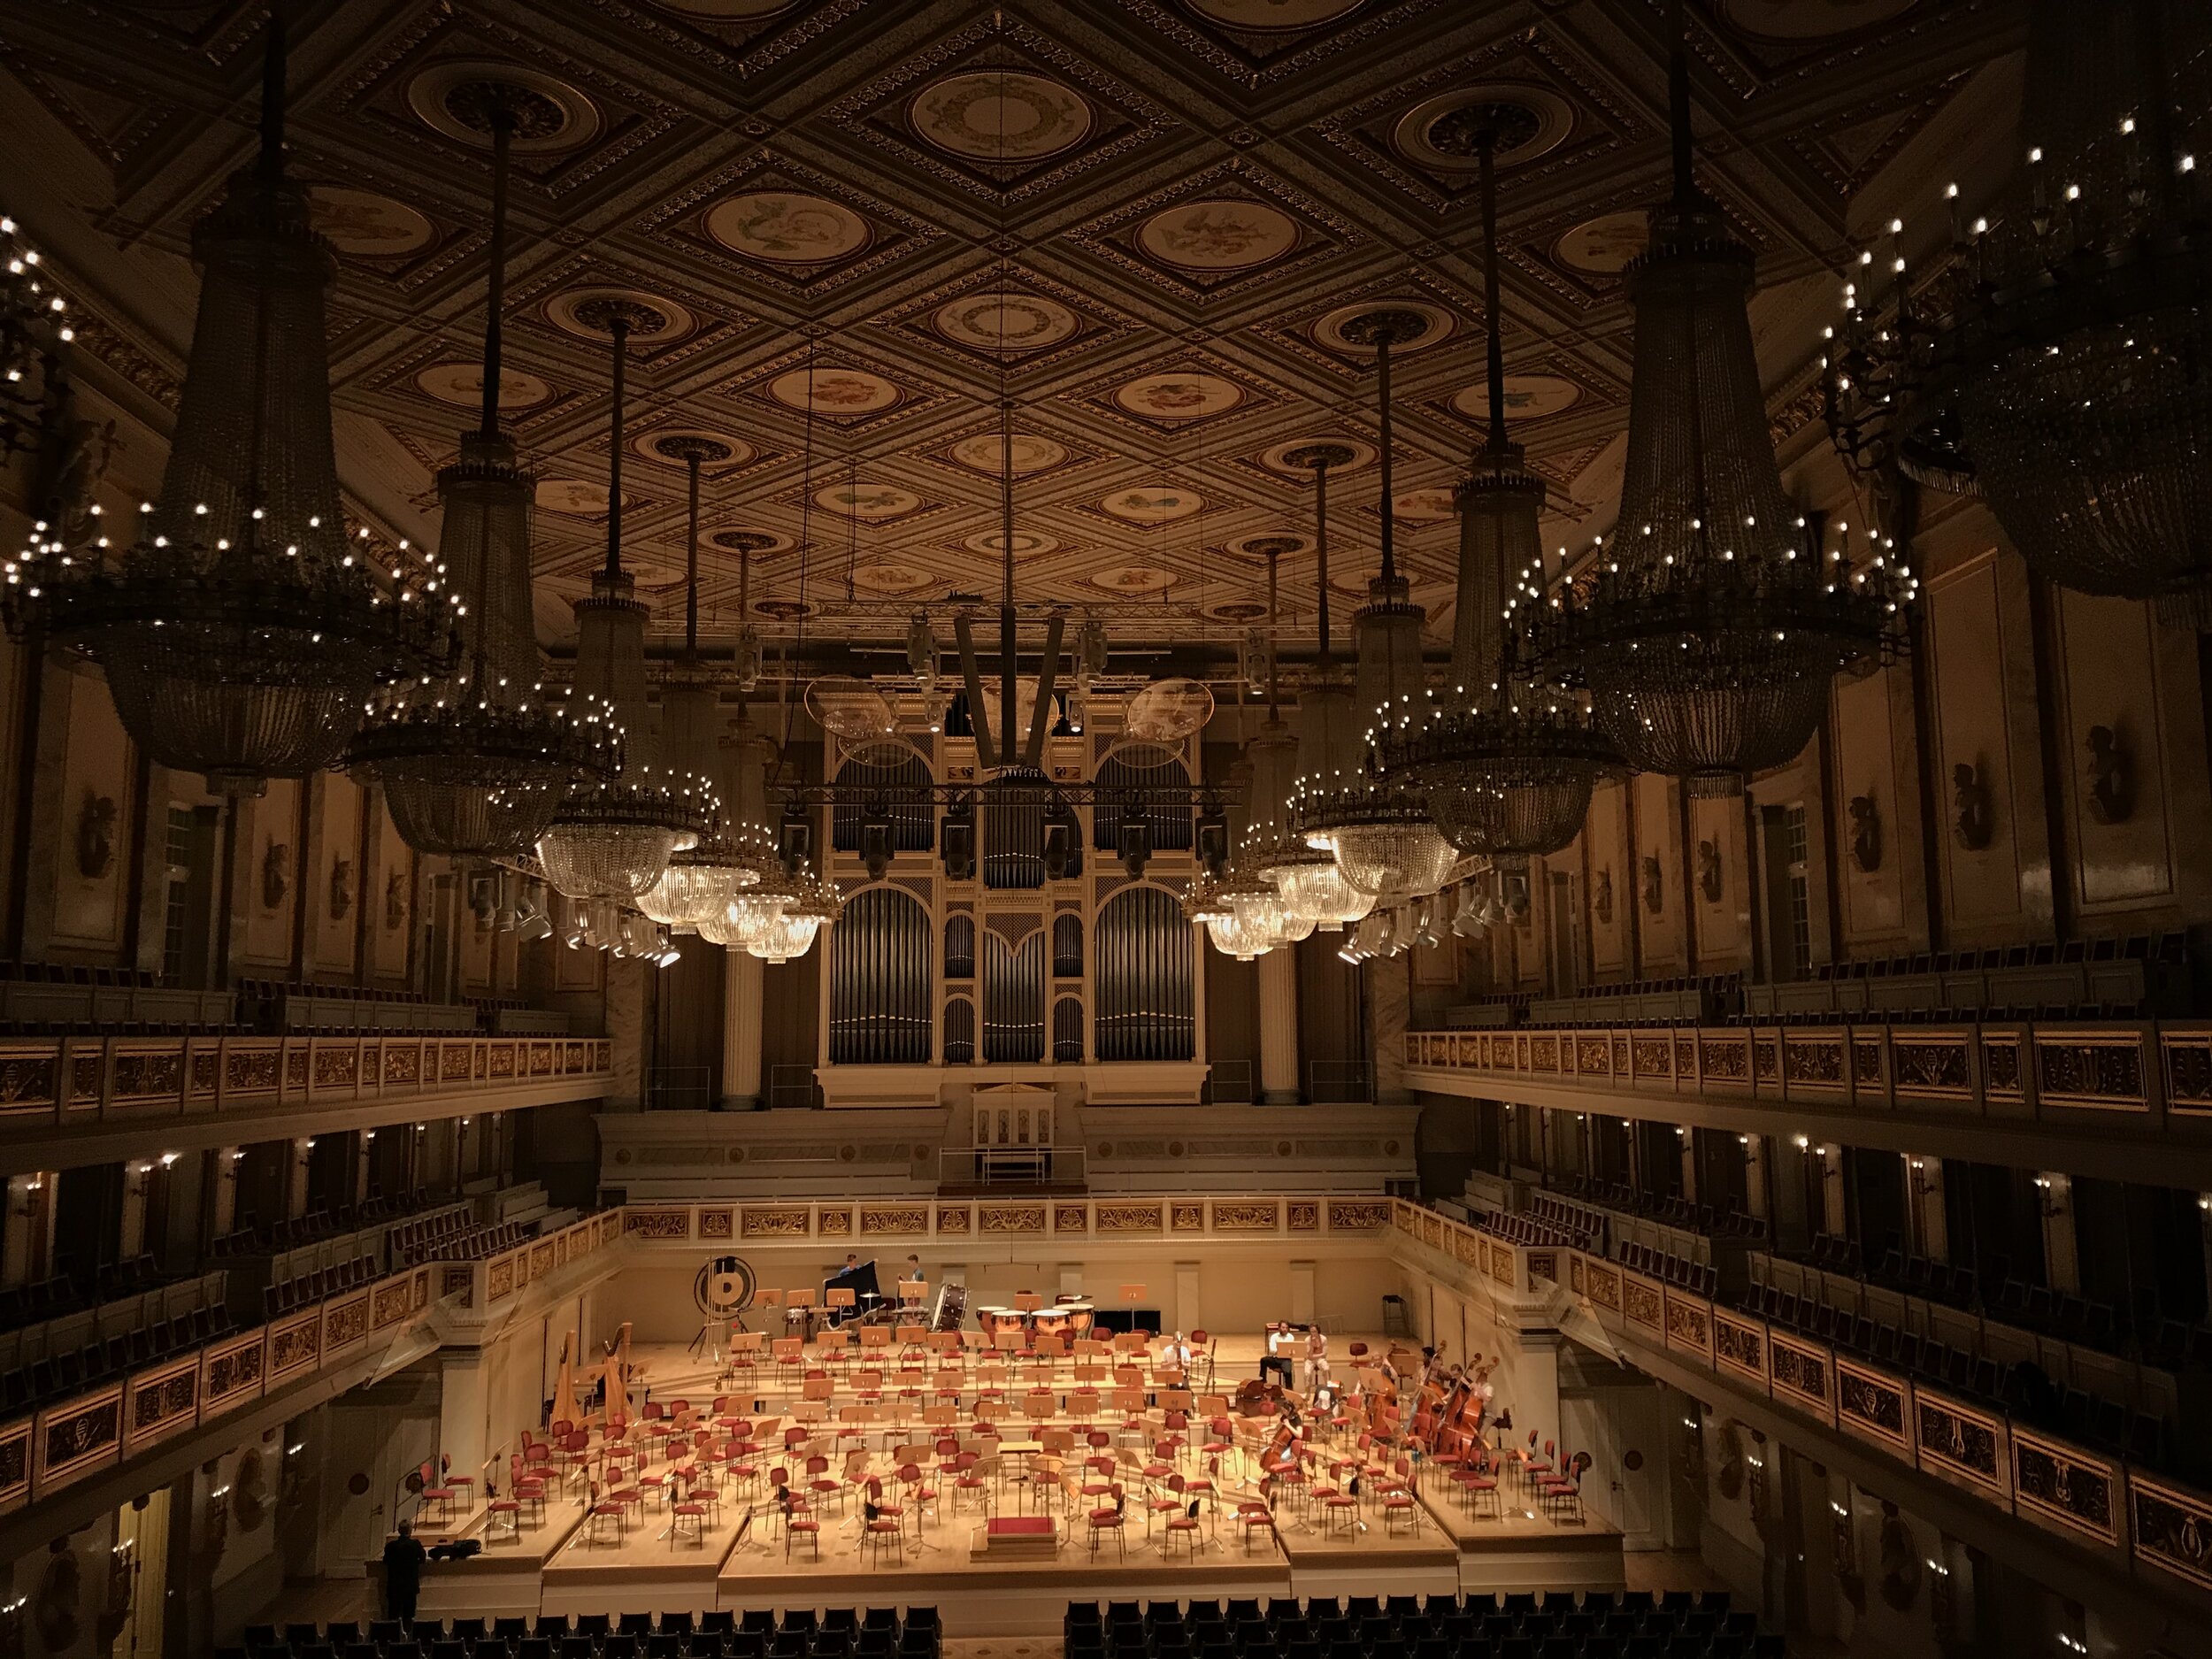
<point>841,1301</point>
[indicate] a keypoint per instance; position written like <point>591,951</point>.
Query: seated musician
<point>1175,1354</point>
<point>1275,1361</point>
<point>1316,1361</point>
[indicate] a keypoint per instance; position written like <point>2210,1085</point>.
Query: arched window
<point>1142,997</point>
<point>913,819</point>
<point>1013,999</point>
<point>881,988</point>
<point>1143,766</point>
<point>960,947</point>
<point>1067,1032</point>
<point>960,1031</point>
<point>1067,946</point>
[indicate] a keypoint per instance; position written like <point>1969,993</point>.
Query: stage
<point>1418,1539</point>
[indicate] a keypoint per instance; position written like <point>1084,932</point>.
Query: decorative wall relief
<point>96,835</point>
<point>276,874</point>
<point>1709,871</point>
<point>1973,817</point>
<point>1654,885</point>
<point>2108,777</point>
<point>1601,897</point>
<point>1866,833</point>
<point>395,901</point>
<point>341,888</point>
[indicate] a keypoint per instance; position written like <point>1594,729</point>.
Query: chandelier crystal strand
<point>2054,364</point>
<point>1379,829</point>
<point>474,765</point>
<point>1304,870</point>
<point>698,885</point>
<point>243,634</point>
<point>1710,630</point>
<point>613,841</point>
<point>1507,763</point>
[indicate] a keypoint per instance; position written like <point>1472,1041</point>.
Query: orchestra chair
<point>886,1527</point>
<point>1107,1517</point>
<point>1252,1518</point>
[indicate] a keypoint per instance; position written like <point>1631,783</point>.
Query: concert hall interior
<point>1105,829</point>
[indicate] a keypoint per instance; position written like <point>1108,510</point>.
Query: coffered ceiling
<point>853,221</point>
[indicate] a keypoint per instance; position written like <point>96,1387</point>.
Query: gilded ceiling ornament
<point>1218,235</point>
<point>991,115</point>
<point>786,227</point>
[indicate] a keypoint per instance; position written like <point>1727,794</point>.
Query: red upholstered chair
<point>1106,1517</point>
<point>1254,1518</point>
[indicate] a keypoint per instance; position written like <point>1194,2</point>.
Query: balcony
<point>2012,1092</point>
<point>67,1101</point>
<point>2137,1521</point>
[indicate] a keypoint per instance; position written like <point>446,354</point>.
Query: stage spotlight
<point>875,843</point>
<point>1136,846</point>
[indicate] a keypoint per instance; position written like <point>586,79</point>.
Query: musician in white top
<point>1175,1354</point>
<point>1316,1361</point>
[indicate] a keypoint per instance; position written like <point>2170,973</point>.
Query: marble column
<point>295,1177</point>
<point>462,1433</point>
<point>1687,1138</point>
<point>1829,1160</point>
<point>1279,1028</point>
<point>1389,1006</point>
<point>743,975</point>
<point>225,1216</point>
<point>131,1225</point>
<point>1754,1174</point>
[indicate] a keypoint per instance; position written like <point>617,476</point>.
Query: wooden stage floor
<point>741,1562</point>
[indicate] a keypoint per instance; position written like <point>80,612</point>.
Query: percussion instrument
<point>951,1309</point>
<point>1080,1314</point>
<point>1052,1321</point>
<point>995,1320</point>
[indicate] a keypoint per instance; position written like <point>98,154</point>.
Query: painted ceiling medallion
<point>871,503</point>
<point>1808,19</point>
<point>1150,505</point>
<point>989,116</point>
<point>986,453</point>
<point>1421,506</point>
<point>1133,579</point>
<point>1528,120</point>
<point>784,610</point>
<point>1438,325</point>
<point>1174,398</point>
<point>667,445</point>
<point>1279,459</point>
<point>1237,610</point>
<point>1219,234</point>
<point>455,99</point>
<point>367,225</point>
<point>1011,323</point>
<point>654,320</point>
<point>1028,544</point>
<point>462,384</point>
<point>834,392</point>
<point>1271,16</point>
<point>749,540</point>
<point>891,579</point>
<point>1603,246</point>
<point>785,227</point>
<point>582,497</point>
<point>1527,397</point>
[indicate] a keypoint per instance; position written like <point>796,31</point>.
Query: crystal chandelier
<point>816,905</point>
<point>1378,828</point>
<point>240,634</point>
<point>2055,364</point>
<point>613,839</point>
<point>1507,763</point>
<point>36,405</point>
<point>474,765</point>
<point>1711,630</point>
<point>699,884</point>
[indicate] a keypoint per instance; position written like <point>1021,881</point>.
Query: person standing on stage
<point>403,1557</point>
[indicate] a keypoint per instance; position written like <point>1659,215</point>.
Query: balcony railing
<point>2146,1522</point>
<point>2156,1073</point>
<point>64,1083</point>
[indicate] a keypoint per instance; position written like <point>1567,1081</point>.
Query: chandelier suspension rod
<point>269,165</point>
<point>1272,710</point>
<point>1679,101</point>
<point>1382,392</point>
<point>503,123</point>
<point>1485,147</point>
<point>1321,553</point>
<point>269,168</point>
<point>618,327</point>
<point>691,561</point>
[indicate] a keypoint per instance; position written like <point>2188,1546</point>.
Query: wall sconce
<point>1802,1142</point>
<point>169,1160</point>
